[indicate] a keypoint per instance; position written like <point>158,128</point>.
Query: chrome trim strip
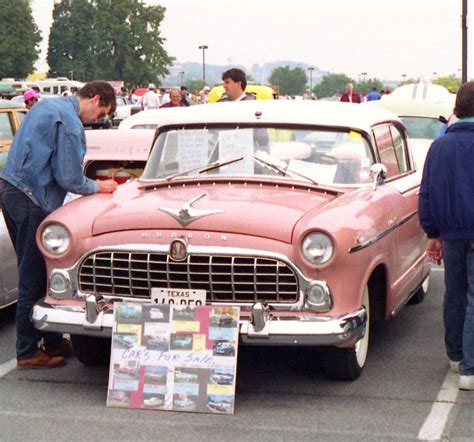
<point>302,331</point>
<point>381,235</point>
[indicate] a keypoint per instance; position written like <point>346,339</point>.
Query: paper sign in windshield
<point>237,143</point>
<point>192,149</point>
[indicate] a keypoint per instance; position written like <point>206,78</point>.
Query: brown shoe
<point>65,350</point>
<point>40,360</point>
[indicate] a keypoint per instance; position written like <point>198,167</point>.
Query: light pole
<point>203,47</point>
<point>435,74</point>
<point>364,75</point>
<point>182,77</point>
<point>71,74</point>
<point>404,77</point>
<point>310,69</point>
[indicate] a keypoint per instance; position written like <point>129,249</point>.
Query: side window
<point>46,89</point>
<point>400,149</point>
<point>6,130</point>
<point>383,138</point>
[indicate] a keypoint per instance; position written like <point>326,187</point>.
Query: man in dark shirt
<point>446,211</point>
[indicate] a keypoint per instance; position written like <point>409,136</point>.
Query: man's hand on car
<point>107,186</point>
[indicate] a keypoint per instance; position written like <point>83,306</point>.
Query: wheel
<point>91,350</point>
<point>346,364</point>
<point>421,292</point>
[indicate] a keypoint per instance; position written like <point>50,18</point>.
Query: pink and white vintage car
<point>303,213</point>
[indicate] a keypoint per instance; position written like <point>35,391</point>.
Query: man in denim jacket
<point>446,210</point>
<point>43,164</point>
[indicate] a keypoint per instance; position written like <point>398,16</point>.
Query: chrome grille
<point>225,278</point>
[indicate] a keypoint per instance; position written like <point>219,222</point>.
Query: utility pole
<point>203,47</point>
<point>464,27</point>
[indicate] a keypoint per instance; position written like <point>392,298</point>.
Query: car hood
<point>265,210</point>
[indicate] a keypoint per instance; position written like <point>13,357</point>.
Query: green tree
<point>451,82</point>
<point>290,81</point>
<point>332,84</point>
<point>195,85</point>
<point>19,39</point>
<point>367,85</point>
<point>122,41</point>
<point>70,39</point>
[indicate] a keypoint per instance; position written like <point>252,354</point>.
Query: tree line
<point>121,40</point>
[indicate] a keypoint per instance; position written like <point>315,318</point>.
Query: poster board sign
<point>176,358</point>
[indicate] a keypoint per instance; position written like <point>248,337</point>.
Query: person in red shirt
<point>175,99</point>
<point>349,95</point>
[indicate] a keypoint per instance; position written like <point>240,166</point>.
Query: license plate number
<point>178,296</point>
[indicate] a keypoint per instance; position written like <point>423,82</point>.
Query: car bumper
<point>297,330</point>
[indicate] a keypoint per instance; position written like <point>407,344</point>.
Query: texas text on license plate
<point>178,296</point>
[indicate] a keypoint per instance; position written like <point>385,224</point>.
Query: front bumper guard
<point>96,319</point>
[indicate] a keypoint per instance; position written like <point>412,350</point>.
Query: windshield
<point>318,156</point>
<point>422,127</point>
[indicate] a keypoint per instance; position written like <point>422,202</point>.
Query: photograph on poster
<point>174,358</point>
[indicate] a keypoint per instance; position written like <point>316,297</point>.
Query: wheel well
<point>378,294</point>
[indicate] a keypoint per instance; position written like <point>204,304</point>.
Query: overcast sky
<point>385,38</point>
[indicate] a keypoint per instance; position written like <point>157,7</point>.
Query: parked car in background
<point>424,109</point>
<point>124,109</point>
<point>11,115</point>
<point>302,213</point>
<point>150,119</point>
<point>258,91</point>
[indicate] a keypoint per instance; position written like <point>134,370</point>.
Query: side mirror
<point>378,173</point>
<point>442,119</point>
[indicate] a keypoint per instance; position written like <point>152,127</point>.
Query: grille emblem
<point>186,215</point>
<point>178,250</point>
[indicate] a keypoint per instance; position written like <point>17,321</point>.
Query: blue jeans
<point>22,219</point>
<point>458,307</point>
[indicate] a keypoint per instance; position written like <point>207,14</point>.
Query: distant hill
<point>259,73</point>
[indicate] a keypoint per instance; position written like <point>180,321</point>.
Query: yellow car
<point>260,92</point>
<point>11,115</point>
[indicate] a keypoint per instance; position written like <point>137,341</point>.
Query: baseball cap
<point>29,94</point>
<point>151,86</point>
<point>206,88</point>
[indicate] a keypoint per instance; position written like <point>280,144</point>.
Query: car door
<point>408,264</point>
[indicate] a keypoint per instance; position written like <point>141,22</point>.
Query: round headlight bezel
<point>55,239</point>
<point>318,248</point>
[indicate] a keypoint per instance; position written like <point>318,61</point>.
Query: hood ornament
<point>186,215</point>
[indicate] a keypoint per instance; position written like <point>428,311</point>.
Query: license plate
<point>178,296</point>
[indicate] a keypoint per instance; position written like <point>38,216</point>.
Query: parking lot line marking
<point>6,367</point>
<point>436,421</point>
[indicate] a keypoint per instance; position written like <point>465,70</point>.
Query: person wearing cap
<point>44,164</point>
<point>30,98</point>
<point>235,82</point>
<point>203,95</point>
<point>150,100</point>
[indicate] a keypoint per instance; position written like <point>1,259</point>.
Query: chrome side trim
<point>383,234</point>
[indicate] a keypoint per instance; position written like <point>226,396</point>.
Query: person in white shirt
<point>151,100</point>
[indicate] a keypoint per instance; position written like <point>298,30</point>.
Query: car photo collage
<point>174,358</point>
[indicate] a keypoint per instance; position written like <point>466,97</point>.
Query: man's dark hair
<point>183,88</point>
<point>374,88</point>
<point>101,88</point>
<point>237,75</point>
<point>464,107</point>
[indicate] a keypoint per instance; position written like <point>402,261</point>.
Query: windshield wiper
<point>279,166</point>
<point>202,169</point>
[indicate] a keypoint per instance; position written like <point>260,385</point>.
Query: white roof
<point>302,112</point>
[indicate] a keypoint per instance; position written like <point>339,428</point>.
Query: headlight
<point>317,248</point>
<point>55,239</point>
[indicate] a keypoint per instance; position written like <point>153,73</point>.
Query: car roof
<point>405,107</point>
<point>301,112</point>
<point>112,144</point>
<point>7,104</point>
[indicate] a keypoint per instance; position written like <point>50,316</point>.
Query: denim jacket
<point>45,159</point>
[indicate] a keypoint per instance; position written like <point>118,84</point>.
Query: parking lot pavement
<point>282,394</point>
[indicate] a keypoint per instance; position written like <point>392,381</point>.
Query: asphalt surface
<point>281,395</point>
